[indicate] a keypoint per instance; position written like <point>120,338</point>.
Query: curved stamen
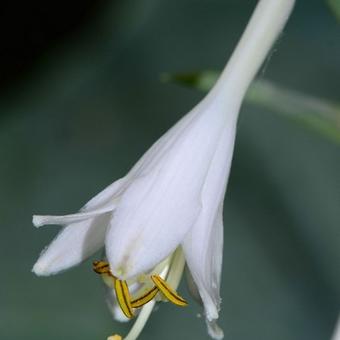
<point>144,314</point>
<point>165,276</point>
<point>168,292</point>
<point>145,298</point>
<point>123,298</point>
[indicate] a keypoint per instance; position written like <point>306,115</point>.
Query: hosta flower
<point>167,211</point>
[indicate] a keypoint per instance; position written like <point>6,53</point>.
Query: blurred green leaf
<point>334,5</point>
<point>318,114</point>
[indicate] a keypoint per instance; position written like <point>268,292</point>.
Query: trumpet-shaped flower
<point>168,209</point>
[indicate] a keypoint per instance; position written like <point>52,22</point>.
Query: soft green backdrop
<point>95,104</point>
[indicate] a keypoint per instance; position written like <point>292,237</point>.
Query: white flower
<point>173,197</point>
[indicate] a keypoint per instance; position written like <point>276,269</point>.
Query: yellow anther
<point>101,267</point>
<point>144,298</point>
<point>115,337</point>
<point>168,292</point>
<point>123,297</point>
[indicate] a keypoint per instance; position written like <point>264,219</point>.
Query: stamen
<point>168,292</point>
<point>145,312</point>
<point>109,280</point>
<point>145,298</point>
<point>101,267</point>
<point>171,269</point>
<point>123,297</point>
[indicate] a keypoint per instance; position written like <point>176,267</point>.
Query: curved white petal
<point>107,198</point>
<point>158,208</point>
<point>203,245</point>
<point>159,149</point>
<point>72,245</point>
<point>203,252</point>
<point>40,220</point>
<point>83,233</point>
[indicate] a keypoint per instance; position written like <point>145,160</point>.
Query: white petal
<point>203,245</point>
<point>40,220</point>
<point>214,330</point>
<point>158,209</point>
<point>192,287</point>
<point>73,244</point>
<point>107,198</point>
<point>203,253</point>
<point>83,233</point>
<point>158,150</point>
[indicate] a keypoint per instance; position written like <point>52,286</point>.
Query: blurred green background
<point>90,103</point>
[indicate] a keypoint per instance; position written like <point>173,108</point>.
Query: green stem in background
<point>334,6</point>
<point>320,115</point>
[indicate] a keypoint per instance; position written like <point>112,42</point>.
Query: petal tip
<point>214,330</point>
<point>38,220</point>
<point>40,269</point>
